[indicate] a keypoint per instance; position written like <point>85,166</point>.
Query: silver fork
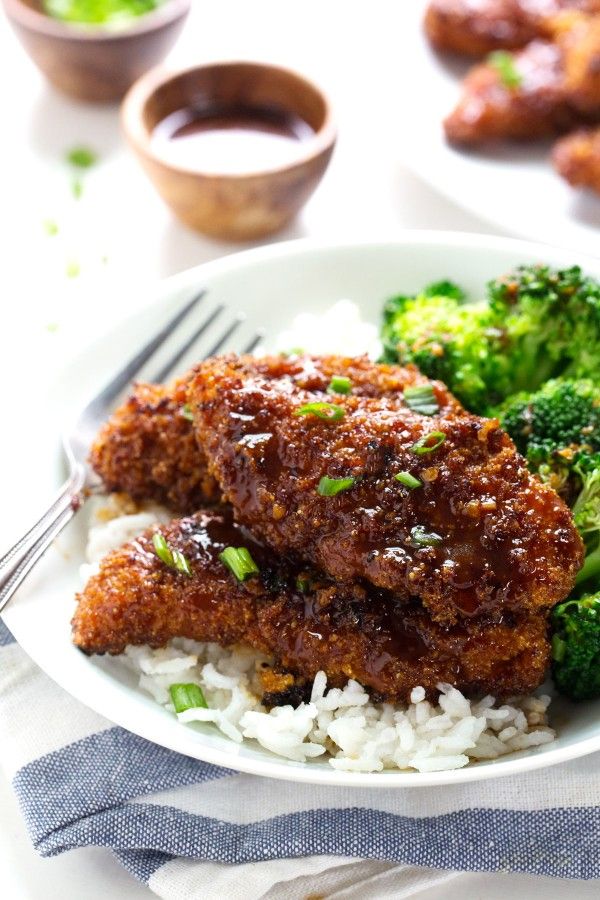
<point>18,562</point>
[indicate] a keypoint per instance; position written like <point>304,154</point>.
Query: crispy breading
<point>479,535</point>
<point>346,630</point>
<point>577,158</point>
<point>477,27</point>
<point>148,449</point>
<point>491,110</point>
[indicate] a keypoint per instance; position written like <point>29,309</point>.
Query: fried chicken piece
<point>477,27</point>
<point>478,534</point>
<point>385,645</point>
<point>577,158</point>
<point>578,37</point>
<point>491,109</point>
<point>148,449</point>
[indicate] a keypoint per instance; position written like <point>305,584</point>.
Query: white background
<point>120,231</point>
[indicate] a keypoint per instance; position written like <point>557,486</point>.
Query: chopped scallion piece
<point>187,696</point>
<point>339,384</point>
<point>77,188</point>
<point>186,412</point>
<point>421,399</point>
<point>50,227</point>
<point>81,158</point>
<point>302,585</point>
<point>423,538</point>
<point>407,480</point>
<point>240,562</point>
<point>174,559</point>
<point>329,487</point>
<point>429,442</point>
<point>504,64</point>
<point>328,411</point>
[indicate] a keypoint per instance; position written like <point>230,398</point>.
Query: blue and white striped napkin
<point>180,825</point>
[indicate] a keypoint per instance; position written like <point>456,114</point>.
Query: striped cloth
<point>179,824</point>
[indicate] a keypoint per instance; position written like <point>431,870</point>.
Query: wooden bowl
<point>95,63</point>
<point>242,206</point>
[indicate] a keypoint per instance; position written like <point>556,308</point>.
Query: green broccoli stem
<point>590,568</point>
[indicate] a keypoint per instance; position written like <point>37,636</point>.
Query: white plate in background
<point>512,186</point>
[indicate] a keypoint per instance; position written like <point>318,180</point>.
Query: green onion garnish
<point>329,411</point>
<point>504,64</point>
<point>239,561</point>
<point>425,445</point>
<point>339,384</point>
<point>50,227</point>
<point>421,399</point>
<point>174,559</point>
<point>407,480</point>
<point>302,585</point>
<point>186,412</point>
<point>329,487</point>
<point>423,538</point>
<point>77,188</point>
<point>187,696</point>
<point>81,158</point>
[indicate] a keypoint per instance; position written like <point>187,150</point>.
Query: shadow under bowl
<point>231,206</point>
<point>94,63</point>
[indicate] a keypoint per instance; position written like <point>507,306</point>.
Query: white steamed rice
<point>341,725</point>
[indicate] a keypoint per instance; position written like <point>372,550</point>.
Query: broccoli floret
<point>557,429</point>
<point>550,425</point>
<point>551,320</point>
<point>537,323</point>
<point>576,647</point>
<point>447,339</point>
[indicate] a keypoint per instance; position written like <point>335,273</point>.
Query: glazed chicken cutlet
<point>148,450</point>
<point>305,621</point>
<point>524,100</point>
<point>404,490</point>
<point>477,27</point>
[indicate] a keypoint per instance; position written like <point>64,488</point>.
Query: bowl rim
<point>132,108</point>
<point>35,21</point>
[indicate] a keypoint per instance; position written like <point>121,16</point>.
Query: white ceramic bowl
<point>270,285</point>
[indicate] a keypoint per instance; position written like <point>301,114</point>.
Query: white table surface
<point>119,229</point>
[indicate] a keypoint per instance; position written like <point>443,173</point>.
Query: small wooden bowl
<point>234,207</point>
<point>95,63</point>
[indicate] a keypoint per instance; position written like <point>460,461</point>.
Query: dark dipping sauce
<point>234,140</point>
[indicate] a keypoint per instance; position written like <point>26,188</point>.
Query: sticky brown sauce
<point>231,140</point>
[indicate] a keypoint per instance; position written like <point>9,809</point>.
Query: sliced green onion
<point>77,188</point>
<point>424,445</point>
<point>186,412</point>
<point>504,64</point>
<point>423,538</point>
<point>329,411</point>
<point>407,480</point>
<point>82,158</point>
<point>302,585</point>
<point>187,696</point>
<point>329,487</point>
<point>421,399</point>
<point>239,561</point>
<point>174,559</point>
<point>339,384</point>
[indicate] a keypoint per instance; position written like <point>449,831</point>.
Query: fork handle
<point>18,562</point>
